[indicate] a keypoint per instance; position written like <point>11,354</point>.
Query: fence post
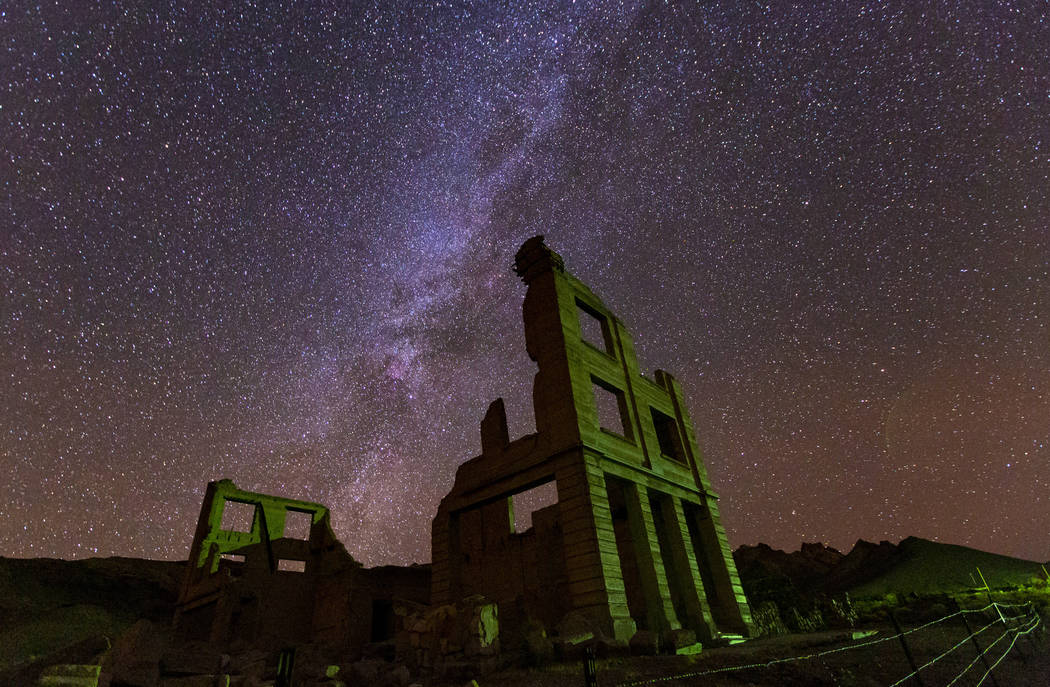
<point>980,651</point>
<point>1031,617</point>
<point>988,590</point>
<point>285,663</point>
<point>590,669</point>
<point>907,651</point>
<point>1027,618</point>
<point>1016,631</point>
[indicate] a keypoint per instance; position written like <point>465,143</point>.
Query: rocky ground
<point>55,611</point>
<point>116,613</point>
<point>874,665</point>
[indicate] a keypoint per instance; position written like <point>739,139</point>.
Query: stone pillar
<point>658,605</point>
<point>734,611</point>
<point>592,563</point>
<point>692,586</point>
<point>441,591</point>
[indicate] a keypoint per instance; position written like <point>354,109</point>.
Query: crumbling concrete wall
<point>635,540</point>
<point>279,577</point>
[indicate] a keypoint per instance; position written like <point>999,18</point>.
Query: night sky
<point>274,243</point>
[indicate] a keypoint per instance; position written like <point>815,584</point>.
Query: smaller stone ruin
<point>267,571</point>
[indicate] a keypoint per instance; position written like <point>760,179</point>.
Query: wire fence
<point>1014,621</point>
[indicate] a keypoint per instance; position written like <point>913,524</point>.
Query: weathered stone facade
<point>634,543</point>
<point>279,577</point>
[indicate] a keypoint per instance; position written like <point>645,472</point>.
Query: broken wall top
<point>296,527</point>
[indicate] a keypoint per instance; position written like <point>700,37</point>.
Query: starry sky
<point>272,241</point>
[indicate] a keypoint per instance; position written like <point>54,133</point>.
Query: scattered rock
<point>689,649</point>
<point>451,633</point>
<point>134,659</point>
<point>575,628</point>
<point>676,639</point>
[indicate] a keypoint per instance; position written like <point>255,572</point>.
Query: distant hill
<point>47,604</point>
<point>925,566</point>
<point>915,565</point>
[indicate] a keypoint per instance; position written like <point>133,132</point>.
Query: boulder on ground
<point>575,628</point>
<point>450,633</point>
<point>677,639</point>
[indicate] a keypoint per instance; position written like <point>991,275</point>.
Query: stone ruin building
<point>269,572</point>
<point>632,550</point>
<point>634,542</point>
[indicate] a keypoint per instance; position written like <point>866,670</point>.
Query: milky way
<point>273,243</point>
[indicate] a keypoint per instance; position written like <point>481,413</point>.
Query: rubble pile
<point>462,636</point>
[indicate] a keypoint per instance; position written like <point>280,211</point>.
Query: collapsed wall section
<point>268,571</point>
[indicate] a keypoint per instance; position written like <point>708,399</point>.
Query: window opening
<point>612,408</point>
<point>290,565</point>
<point>237,516</point>
<point>667,435</point>
<point>594,328</point>
<point>528,502</point>
<point>297,524</point>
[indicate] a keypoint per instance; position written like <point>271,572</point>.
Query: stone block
<point>483,628</point>
<point>69,675</point>
<point>66,670</point>
<point>689,649</point>
<point>575,627</point>
<point>604,647</point>
<point>676,639</point>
